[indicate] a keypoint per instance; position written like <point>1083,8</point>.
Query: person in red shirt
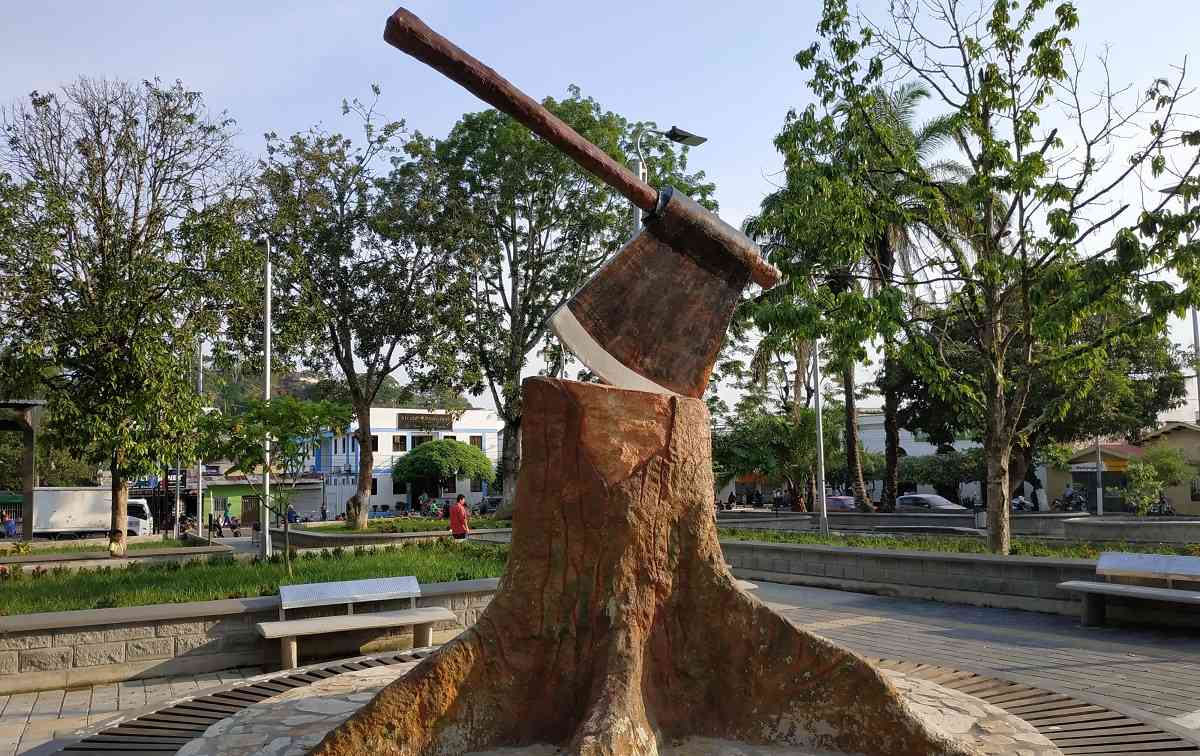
<point>459,517</point>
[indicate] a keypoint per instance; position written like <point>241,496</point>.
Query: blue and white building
<point>395,431</point>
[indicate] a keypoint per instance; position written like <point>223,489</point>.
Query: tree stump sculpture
<point>617,627</point>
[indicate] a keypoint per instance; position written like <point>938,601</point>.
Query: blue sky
<point>718,68</point>
<point>721,69</point>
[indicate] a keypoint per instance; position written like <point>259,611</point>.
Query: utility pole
<point>816,372</point>
<point>264,510</point>
<point>1099,480</point>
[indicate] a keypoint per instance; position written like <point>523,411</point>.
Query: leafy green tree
<point>540,226</point>
<point>367,268</point>
<point>1041,233</point>
<point>780,447</point>
<point>1160,466</point>
<point>128,246</point>
<point>290,429</point>
<point>446,459</point>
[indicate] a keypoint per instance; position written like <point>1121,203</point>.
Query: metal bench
<point>1143,567</point>
<point>348,593</point>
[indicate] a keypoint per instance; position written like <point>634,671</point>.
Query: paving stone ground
<point>1150,674</point>
<point>29,720</point>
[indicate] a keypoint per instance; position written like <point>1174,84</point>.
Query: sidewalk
<point>1149,674</point>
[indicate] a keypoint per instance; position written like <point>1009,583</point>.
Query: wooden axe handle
<point>410,34</point>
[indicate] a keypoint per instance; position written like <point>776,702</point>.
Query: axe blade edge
<point>589,351</point>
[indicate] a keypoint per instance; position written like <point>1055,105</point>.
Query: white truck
<point>58,512</point>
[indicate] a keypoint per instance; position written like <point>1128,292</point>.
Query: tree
<point>541,227</point>
<point>1041,233</point>
<point>1119,394</point>
<point>392,394</point>
<point>1159,467</point>
<point>367,266</point>
<point>433,462</point>
<point>127,220</point>
<point>290,429</point>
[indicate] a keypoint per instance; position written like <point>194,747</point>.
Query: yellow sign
<point>1115,464</point>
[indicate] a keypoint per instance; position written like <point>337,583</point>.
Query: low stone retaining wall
<point>315,539</point>
<point>1176,530</point>
<point>72,649</point>
<point>1044,524</point>
<point>100,559</point>
<point>1028,583</point>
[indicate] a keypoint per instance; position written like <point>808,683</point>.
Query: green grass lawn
<point>406,525</point>
<point>958,545</point>
<point>6,549</point>
<point>61,589</point>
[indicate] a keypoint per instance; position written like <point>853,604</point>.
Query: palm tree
<point>893,121</point>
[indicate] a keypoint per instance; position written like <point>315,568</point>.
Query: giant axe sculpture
<point>654,317</point>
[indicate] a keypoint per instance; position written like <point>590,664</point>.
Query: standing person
<point>10,525</point>
<point>459,519</point>
<point>324,513</point>
<point>732,500</point>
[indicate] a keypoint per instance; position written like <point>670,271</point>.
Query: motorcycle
<point>1072,502</point>
<point>1021,504</point>
<point>1161,508</point>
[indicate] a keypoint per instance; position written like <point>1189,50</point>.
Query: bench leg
<point>1093,610</point>
<point>288,652</point>
<point>423,635</point>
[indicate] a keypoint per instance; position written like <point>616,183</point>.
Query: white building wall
<point>338,459</point>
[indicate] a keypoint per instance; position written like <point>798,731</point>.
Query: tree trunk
<point>117,534</point>
<point>997,450</point>
<point>617,627</point>
<point>511,462</point>
<point>891,432</point>
<point>1019,461</point>
<point>359,505</point>
<point>854,470</point>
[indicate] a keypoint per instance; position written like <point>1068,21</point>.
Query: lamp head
<point>676,134</point>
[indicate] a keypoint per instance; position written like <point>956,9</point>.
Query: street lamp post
<point>638,164</point>
<point>200,463</point>
<point>264,511</point>
<point>816,372</point>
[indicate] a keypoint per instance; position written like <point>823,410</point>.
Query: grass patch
<point>61,589</point>
<point>406,525</point>
<point>957,545</point>
<point>82,548</point>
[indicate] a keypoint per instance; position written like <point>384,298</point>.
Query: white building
<point>394,432</point>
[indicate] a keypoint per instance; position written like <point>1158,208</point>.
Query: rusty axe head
<point>655,316</point>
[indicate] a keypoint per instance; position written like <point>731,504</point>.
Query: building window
<point>1195,489</point>
<point>477,442</point>
<point>448,437</point>
<point>399,443</point>
<point>374,486</point>
<point>476,485</point>
<point>418,440</point>
<point>374,443</point>
<point>449,485</point>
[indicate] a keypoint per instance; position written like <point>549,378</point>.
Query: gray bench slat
<point>1132,591</point>
<point>348,592</point>
<point>1157,566</point>
<point>317,625</point>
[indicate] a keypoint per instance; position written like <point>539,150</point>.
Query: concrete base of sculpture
<point>617,629</point>
<point>292,723</point>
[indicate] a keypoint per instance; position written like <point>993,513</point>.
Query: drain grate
<point>1076,727</point>
<point>166,730</point>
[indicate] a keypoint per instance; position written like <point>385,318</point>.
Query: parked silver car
<point>928,503</point>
